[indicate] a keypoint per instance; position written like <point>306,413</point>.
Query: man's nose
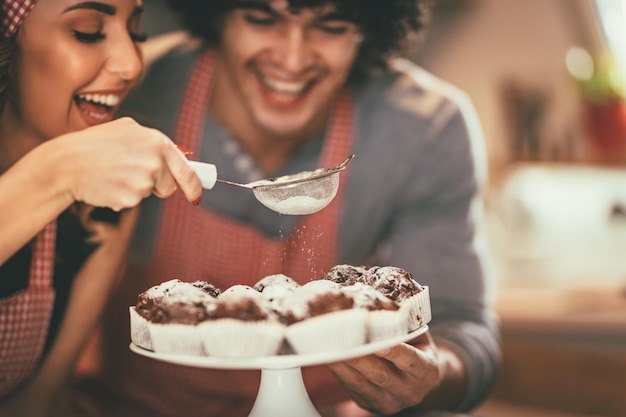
<point>297,52</point>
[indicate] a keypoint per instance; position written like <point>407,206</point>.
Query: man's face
<point>285,69</point>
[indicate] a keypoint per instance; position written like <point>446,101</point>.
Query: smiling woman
<point>70,177</point>
<point>70,44</point>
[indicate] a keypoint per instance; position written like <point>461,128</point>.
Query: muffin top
<point>395,283</point>
<point>369,298</point>
<point>242,302</point>
<point>347,274</point>
<point>175,301</point>
<point>312,299</point>
<point>279,297</point>
<point>275,281</point>
<point>208,288</point>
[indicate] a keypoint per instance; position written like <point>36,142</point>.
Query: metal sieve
<point>296,194</point>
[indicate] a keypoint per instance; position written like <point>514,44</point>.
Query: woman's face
<point>76,62</point>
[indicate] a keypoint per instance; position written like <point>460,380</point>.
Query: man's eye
<point>87,37</point>
<point>260,20</point>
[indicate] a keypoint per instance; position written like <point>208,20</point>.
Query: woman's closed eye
<point>88,37</point>
<point>94,37</point>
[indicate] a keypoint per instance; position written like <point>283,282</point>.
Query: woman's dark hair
<point>7,55</point>
<point>384,24</point>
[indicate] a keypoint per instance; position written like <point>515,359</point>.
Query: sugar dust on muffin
<point>386,318</point>
<point>243,325</point>
<point>349,306</point>
<point>278,291</point>
<point>394,283</point>
<point>165,316</point>
<point>275,281</point>
<point>175,301</point>
<point>399,285</point>
<point>346,274</point>
<point>322,318</point>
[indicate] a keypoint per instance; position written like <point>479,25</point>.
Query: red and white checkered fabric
<point>291,256</point>
<point>13,14</point>
<point>25,316</point>
<point>197,243</point>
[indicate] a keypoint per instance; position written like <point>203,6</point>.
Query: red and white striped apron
<point>25,317</point>
<point>196,243</point>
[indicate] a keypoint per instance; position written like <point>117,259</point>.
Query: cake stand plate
<point>281,392</point>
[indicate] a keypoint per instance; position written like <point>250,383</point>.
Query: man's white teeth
<point>284,86</point>
<point>103,99</point>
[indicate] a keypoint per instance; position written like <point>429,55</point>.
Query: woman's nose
<point>125,59</point>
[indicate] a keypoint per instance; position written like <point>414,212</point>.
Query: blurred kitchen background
<point>547,79</point>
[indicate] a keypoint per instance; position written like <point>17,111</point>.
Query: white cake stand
<point>281,392</point>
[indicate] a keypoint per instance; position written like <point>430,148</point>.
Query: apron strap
<point>190,121</point>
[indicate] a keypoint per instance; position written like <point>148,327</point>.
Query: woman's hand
<point>117,164</point>
<point>114,164</point>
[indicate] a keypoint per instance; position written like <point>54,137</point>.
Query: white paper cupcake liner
<point>419,309</point>
<point>139,333</point>
<point>232,338</point>
<point>175,338</point>
<point>386,324</point>
<point>328,332</point>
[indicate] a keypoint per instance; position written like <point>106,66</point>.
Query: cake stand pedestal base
<point>282,394</point>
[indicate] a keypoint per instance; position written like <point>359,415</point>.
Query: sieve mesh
<point>298,198</point>
<point>297,194</point>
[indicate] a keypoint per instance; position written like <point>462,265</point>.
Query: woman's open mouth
<point>97,108</point>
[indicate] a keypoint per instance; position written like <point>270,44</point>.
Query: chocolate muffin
<point>399,285</point>
<point>243,325</point>
<point>166,316</point>
<point>322,318</point>
<point>347,274</point>
<point>175,301</point>
<point>393,282</point>
<point>347,307</point>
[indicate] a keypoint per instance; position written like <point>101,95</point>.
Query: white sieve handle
<point>206,172</point>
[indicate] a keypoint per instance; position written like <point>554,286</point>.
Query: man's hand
<point>394,379</point>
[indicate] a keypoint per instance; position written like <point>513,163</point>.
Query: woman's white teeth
<point>284,86</point>
<point>103,99</point>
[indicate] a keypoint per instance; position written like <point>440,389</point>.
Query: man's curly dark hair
<point>385,24</point>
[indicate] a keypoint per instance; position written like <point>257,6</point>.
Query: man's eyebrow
<point>335,16</point>
<point>105,8</point>
<point>331,16</point>
<point>256,5</point>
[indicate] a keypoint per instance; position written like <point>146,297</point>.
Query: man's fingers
<point>403,356</point>
<point>361,390</point>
